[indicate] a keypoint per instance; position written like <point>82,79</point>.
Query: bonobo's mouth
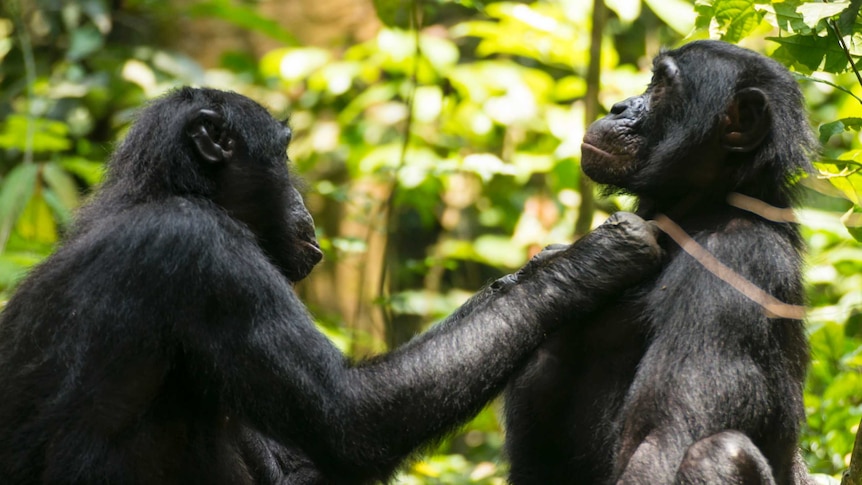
<point>598,151</point>
<point>605,167</point>
<point>299,262</point>
<point>314,253</point>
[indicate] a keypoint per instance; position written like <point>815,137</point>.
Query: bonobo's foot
<point>728,457</point>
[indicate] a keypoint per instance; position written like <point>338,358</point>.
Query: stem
<point>591,111</point>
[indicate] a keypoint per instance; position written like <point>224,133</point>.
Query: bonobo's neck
<point>704,209</point>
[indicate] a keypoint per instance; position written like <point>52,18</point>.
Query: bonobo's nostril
<point>619,108</point>
<point>628,107</point>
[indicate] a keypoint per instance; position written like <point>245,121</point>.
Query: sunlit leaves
<point>845,174</point>
<point>15,191</point>
<point>852,220</point>
<point>41,135</point>
<point>542,32</point>
<point>394,13</point>
<point>730,20</point>
<point>813,13</point>
<point>828,130</point>
<point>675,13</point>
<point>809,53</point>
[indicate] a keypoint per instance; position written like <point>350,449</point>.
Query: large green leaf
<point>394,13</point>
<point>15,191</point>
<point>810,53</point>
<point>828,130</point>
<point>853,222</point>
<point>47,135</point>
<point>813,13</point>
<point>845,174</point>
<point>677,14</point>
<point>734,19</point>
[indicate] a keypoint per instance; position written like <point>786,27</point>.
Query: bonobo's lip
<point>315,253</point>
<point>599,151</point>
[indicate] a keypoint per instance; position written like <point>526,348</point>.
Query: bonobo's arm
<point>286,379</point>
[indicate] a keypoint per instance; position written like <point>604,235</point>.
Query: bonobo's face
<point>244,149</point>
<point>615,148</point>
<point>702,117</point>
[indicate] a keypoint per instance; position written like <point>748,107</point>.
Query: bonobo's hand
<point>614,256</point>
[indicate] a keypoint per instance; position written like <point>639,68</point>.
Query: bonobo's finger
<point>630,235</point>
<point>633,229</point>
<point>544,256</point>
<point>619,253</point>
<point>548,252</point>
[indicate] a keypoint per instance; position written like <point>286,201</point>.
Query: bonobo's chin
<point>605,167</point>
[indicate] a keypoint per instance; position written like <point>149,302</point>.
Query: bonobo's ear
<point>747,121</point>
<point>207,130</point>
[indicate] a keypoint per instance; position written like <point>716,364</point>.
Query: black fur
<point>684,380</point>
<point>163,342</point>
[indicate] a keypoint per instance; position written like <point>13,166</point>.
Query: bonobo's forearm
<point>444,376</point>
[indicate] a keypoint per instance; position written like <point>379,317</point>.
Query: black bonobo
<point>684,379</point>
<point>163,342</point>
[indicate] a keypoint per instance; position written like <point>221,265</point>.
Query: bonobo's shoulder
<point>179,227</point>
<point>763,251</point>
<point>751,236</point>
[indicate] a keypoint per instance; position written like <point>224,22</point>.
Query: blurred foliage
<point>454,132</point>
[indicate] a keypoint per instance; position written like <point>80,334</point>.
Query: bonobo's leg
<point>273,463</point>
<point>729,457</point>
<point>799,471</point>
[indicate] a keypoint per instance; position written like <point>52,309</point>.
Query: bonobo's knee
<point>729,457</point>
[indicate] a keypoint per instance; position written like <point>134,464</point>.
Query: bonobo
<point>684,379</point>
<point>163,342</point>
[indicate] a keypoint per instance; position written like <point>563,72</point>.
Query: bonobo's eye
<point>666,70</point>
<point>665,75</point>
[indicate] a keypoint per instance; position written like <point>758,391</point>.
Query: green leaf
<point>789,19</point>
<point>48,135</point>
<point>810,53</point>
<point>845,174</point>
<point>828,130</point>
<point>17,188</point>
<point>84,41</point>
<point>736,18</point>
<point>394,13</point>
<point>89,171</point>
<point>813,13</point>
<point>852,220</point>
<point>36,222</point>
<point>62,184</point>
<point>677,14</point>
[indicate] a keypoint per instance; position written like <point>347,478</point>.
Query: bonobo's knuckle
<point>629,229</point>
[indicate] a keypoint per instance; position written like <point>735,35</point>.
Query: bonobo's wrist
<point>579,278</point>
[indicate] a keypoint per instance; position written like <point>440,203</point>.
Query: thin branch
<point>591,111</point>
<point>846,50</point>
<point>388,205</point>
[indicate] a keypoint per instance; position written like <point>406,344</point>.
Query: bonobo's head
<point>715,118</point>
<point>226,148</point>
